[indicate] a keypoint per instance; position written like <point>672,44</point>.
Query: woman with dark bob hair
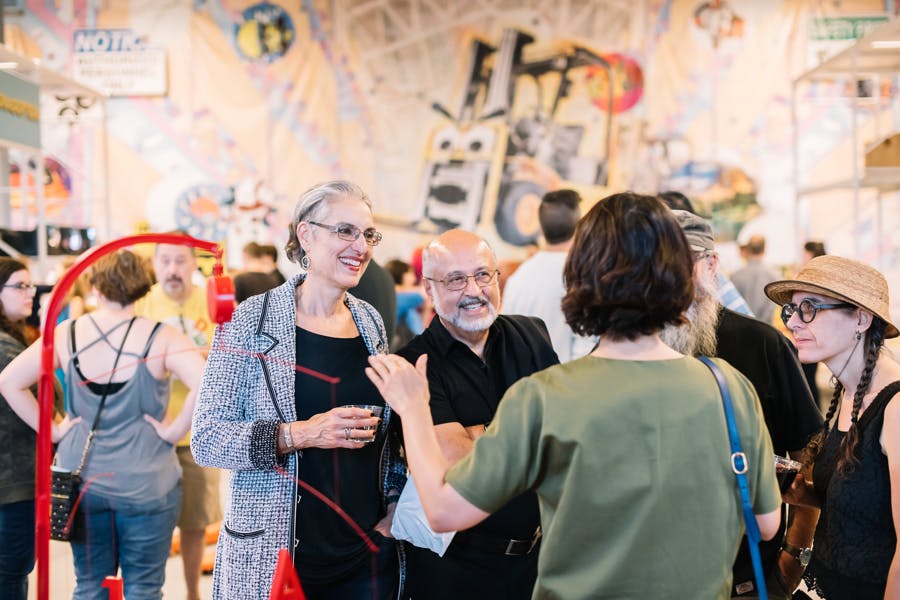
<point>117,366</point>
<point>627,447</point>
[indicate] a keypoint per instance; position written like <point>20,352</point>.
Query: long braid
<point>874,341</point>
<point>815,445</point>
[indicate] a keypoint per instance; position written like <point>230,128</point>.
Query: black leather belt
<point>496,545</point>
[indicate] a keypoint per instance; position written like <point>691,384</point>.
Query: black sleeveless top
<point>855,537</point>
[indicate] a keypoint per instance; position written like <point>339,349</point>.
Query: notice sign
<point>119,62</point>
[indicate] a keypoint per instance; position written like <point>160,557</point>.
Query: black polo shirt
<point>466,390</point>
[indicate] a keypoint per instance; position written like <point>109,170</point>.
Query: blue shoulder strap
<point>739,466</point>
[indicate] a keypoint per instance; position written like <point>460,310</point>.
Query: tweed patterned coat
<point>247,391</point>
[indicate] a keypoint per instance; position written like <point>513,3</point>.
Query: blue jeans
<point>16,549</point>
<point>135,536</point>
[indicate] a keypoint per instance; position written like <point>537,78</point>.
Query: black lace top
<point>855,537</point>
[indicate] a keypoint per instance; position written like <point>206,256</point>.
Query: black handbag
<point>65,485</point>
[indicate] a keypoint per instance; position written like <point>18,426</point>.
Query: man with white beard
<point>769,361</point>
<point>474,355</point>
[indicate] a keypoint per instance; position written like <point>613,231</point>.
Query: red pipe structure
<point>45,382</point>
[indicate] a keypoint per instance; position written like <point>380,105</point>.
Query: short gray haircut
<point>312,205</point>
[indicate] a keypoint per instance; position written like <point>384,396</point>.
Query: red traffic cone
<point>285,584</point>
<point>114,585</point>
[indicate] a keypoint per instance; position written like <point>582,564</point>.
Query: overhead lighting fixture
<point>886,44</point>
<point>8,65</point>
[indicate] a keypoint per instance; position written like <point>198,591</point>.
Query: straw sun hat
<point>843,279</point>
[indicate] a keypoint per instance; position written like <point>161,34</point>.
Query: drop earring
<point>858,335</point>
<point>304,262</point>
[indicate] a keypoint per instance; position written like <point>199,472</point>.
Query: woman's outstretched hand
<point>401,384</point>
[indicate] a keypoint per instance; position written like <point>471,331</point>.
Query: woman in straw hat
<point>837,312</point>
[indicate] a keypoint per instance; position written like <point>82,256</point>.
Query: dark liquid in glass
<point>785,477</point>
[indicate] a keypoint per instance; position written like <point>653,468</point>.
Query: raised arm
<point>405,388</point>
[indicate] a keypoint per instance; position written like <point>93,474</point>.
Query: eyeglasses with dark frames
<point>22,287</point>
<point>351,233</point>
<point>807,309</point>
<point>458,281</point>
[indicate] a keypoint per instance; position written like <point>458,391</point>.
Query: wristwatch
<point>801,554</point>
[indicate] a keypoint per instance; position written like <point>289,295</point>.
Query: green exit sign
<point>843,28</point>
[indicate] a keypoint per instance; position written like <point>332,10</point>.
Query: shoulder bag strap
<point>153,333</point>
<point>739,466</point>
<point>90,438</point>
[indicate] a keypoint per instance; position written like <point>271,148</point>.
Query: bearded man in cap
<point>769,361</point>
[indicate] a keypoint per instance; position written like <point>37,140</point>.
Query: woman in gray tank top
<point>117,364</point>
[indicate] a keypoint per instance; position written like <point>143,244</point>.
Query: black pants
<point>376,579</point>
<point>465,573</point>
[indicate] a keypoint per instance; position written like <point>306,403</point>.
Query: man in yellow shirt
<point>176,301</point>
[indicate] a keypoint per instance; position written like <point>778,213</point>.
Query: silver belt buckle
<point>512,545</point>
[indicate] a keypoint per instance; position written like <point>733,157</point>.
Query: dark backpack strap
<point>72,335</point>
<point>153,333</point>
<point>104,336</point>
<point>90,438</point>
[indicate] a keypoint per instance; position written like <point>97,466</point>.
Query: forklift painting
<point>506,146</point>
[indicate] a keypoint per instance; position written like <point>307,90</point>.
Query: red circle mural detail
<point>628,83</point>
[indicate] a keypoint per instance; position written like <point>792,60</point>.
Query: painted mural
<point>507,142</point>
<point>451,114</point>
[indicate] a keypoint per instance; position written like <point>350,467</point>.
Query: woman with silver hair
<point>275,409</point>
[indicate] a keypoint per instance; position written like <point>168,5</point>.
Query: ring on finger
<point>347,433</point>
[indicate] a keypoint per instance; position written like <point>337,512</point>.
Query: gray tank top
<point>127,459</point>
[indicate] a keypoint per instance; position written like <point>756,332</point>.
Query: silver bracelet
<point>287,437</point>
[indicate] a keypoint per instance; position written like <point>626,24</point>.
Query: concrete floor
<point>62,576</point>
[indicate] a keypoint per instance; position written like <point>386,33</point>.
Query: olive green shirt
<point>631,464</point>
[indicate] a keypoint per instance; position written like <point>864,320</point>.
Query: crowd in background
<point>504,390</point>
